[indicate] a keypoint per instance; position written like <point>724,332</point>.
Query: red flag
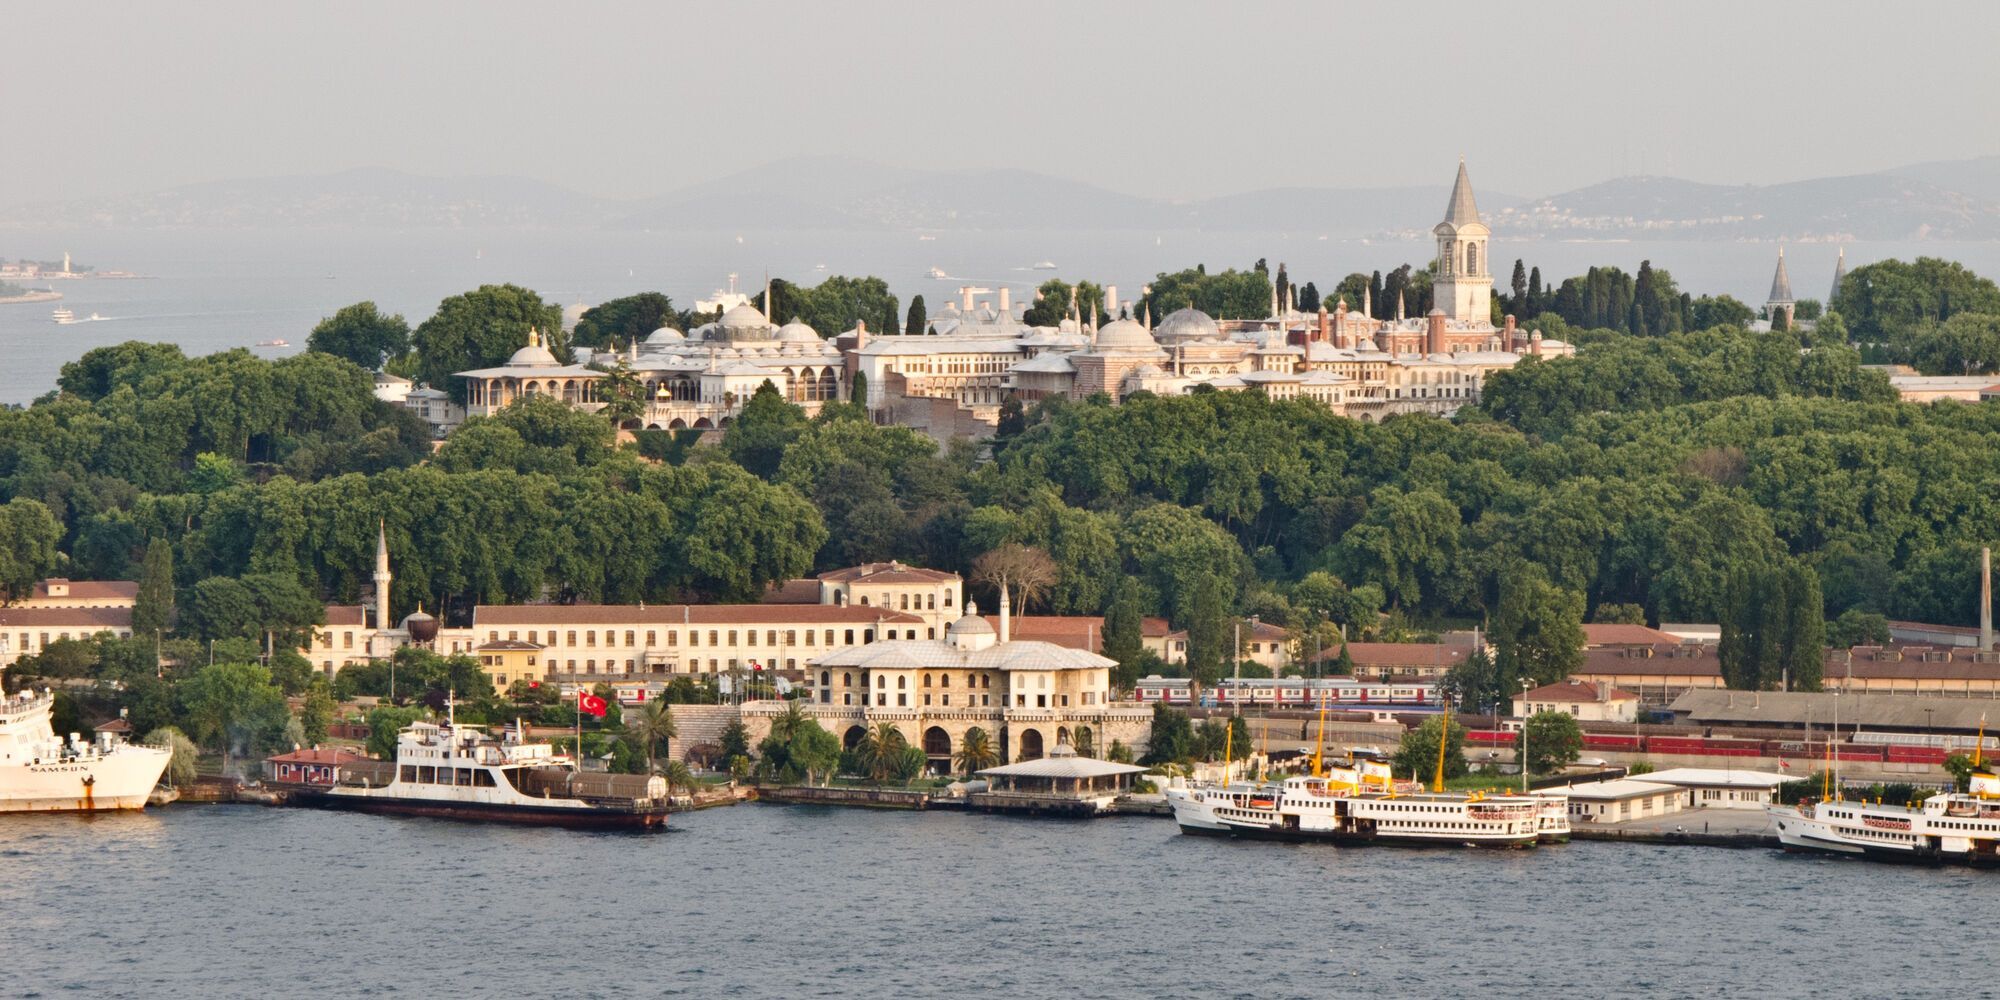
<point>590,704</point>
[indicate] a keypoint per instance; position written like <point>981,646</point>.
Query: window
<point>850,637</point>
<point>652,638</point>
<point>590,638</point>
<point>629,642</point>
<point>829,637</point>
<point>927,682</point>
<point>902,701</point>
<point>753,638</point>
<point>714,638</point>
<point>902,682</point>
<point>881,681</point>
<point>792,637</point>
<point>944,680</point>
<point>513,636</point>
<point>732,638</point>
<point>947,701</point>
<point>1041,701</point>
<point>1472,258</point>
<point>572,637</point>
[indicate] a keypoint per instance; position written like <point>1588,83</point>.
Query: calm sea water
<point>214,290</point>
<point>770,901</point>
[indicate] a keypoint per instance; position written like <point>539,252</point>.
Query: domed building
<point>1186,325</point>
<point>534,370</point>
<point>1119,348</point>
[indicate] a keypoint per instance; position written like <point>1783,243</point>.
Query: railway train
<point>1296,692</point>
<point>1891,748</point>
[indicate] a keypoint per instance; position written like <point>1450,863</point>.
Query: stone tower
<point>1839,275</point>
<point>1464,288</point>
<point>1781,293</point>
<point>382,577</point>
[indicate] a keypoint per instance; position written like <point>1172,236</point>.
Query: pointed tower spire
<point>1839,275</point>
<point>1462,209</point>
<point>1368,302</point>
<point>1781,283</point>
<point>1399,305</point>
<point>382,576</point>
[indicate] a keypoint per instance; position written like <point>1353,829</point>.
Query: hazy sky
<point>1175,100</point>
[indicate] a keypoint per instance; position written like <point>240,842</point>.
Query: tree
<point>1417,754</point>
<point>480,329</point>
<point>623,394</point>
<point>153,608</point>
<point>767,425</point>
<point>1477,684</point>
<point>880,751</point>
<point>1211,641</point>
<point>316,714</point>
<point>857,392</point>
<point>1856,627</point>
<point>1124,634</point>
<point>361,334</point>
<point>976,752</point>
<point>1013,419</point>
<point>1171,737</point>
<point>1619,614</point>
<point>184,755</point>
<point>1537,627</point>
<point>1966,344</point>
<point>28,536</point>
<point>234,706</point>
<point>813,751</point>
<point>1025,571</point>
<point>651,727</point>
<point>622,321</point>
<point>735,740</point>
<point>1959,765</point>
<point>385,723</point>
<point>1554,741</point>
<point>919,321</point>
<point>1773,628</point>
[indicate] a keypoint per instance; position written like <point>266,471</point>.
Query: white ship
<point>41,773</point>
<point>458,772</point>
<point>1361,803</point>
<point>63,315</point>
<point>1954,826</point>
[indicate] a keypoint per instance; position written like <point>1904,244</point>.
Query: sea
<point>791,901</point>
<point>218,289</point>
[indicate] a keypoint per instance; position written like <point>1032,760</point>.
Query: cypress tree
<point>919,320</point>
<point>153,609</point>
<point>1378,304</point>
<point>858,395</point>
<point>1520,287</point>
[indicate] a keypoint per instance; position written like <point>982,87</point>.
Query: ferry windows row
<point>458,776</point>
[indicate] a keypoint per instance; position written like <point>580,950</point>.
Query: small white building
<point>1621,800</point>
<point>1720,788</point>
<point>1588,701</point>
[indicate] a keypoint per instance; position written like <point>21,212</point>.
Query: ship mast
<point>1319,743</point>
<point>1444,740</point>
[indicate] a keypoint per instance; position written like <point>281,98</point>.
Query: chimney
<point>1985,599</point>
<point>1111,300</point>
<point>965,298</point>
<point>1434,339</point>
<point>1507,343</point>
<point>1006,614</point>
<point>1325,321</point>
<point>1006,301</point>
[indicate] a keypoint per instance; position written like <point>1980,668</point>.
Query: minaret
<point>1781,293</point>
<point>1839,275</point>
<point>382,576</point>
<point>1464,288</point>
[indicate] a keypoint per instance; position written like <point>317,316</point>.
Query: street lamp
<point>1525,716</point>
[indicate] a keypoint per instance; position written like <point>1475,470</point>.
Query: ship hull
<point>115,782</point>
<point>573,818</point>
<point>1351,839</point>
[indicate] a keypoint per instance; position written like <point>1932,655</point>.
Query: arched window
<point>1472,258</point>
<point>927,680</point>
<point>902,683</point>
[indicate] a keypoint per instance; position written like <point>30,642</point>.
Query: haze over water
<point>756,901</point>
<point>213,290</point>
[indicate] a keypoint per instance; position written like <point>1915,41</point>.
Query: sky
<point>1173,100</point>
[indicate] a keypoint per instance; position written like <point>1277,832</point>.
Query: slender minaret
<point>382,576</point>
<point>1006,613</point>
<point>1839,275</point>
<point>1985,599</point>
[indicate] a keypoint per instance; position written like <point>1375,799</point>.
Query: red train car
<point>1626,743</point>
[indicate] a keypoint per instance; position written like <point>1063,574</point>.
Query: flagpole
<point>576,762</point>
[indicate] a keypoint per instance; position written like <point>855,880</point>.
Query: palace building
<point>952,381</point>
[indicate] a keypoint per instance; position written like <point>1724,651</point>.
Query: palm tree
<point>976,752</point>
<point>652,726</point>
<point>880,750</point>
<point>789,723</point>
<point>679,776</point>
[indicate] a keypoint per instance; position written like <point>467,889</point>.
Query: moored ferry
<point>1360,804</point>
<point>459,772</point>
<point>1954,826</point>
<point>40,772</point>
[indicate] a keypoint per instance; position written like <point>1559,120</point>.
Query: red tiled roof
<point>92,619</point>
<point>354,615</point>
<point>505,644</point>
<point>792,592</point>
<point>1600,634</point>
<point>1400,654</point>
<point>1577,691</point>
<point>118,725</point>
<point>888,572</point>
<point>683,614</point>
<point>319,755</point>
<point>1071,631</point>
<point>89,589</point>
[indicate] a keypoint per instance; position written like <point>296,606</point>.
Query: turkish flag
<point>590,704</point>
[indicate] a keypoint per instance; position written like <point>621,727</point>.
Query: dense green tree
<point>1124,640</point>
<point>316,714</point>
<point>1856,627</point>
<point>385,722</point>
<point>1886,299</point>
<point>235,708</point>
<point>651,727</point>
<point>616,324</point>
<point>767,425</point>
<point>1773,629</point>
<point>1537,627</point>
<point>1554,740</point>
<point>28,536</point>
<point>1966,344</point>
<point>1171,737</point>
<point>976,752</point>
<point>919,318</point>
<point>1417,754</point>
<point>480,329</point>
<point>361,334</point>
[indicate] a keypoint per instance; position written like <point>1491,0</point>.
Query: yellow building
<point>509,660</point>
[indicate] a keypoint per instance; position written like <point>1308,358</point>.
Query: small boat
<point>926,239</point>
<point>938,273</point>
<point>274,343</point>
<point>63,316</point>
<point>1045,265</point>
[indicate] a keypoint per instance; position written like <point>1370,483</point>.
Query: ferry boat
<point>1331,809</point>
<point>63,315</point>
<point>41,773</point>
<point>459,772</point>
<point>1045,265</point>
<point>1954,826</point>
<point>274,343</point>
<point>1552,820</point>
<point>938,273</point>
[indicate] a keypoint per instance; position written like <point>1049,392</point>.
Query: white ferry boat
<point>459,772</point>
<point>63,315</point>
<point>1359,804</point>
<point>41,773</point>
<point>1552,820</point>
<point>1954,826</point>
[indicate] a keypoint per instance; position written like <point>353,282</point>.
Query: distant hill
<point>1954,200</point>
<point>1917,204</point>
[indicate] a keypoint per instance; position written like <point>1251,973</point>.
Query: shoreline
<point>47,296</point>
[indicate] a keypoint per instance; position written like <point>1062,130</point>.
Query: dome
<point>665,335</point>
<point>969,624</point>
<point>796,331</point>
<point>420,626</point>
<point>742,316</point>
<point>1187,324</point>
<point>1127,336</point>
<point>533,356</point>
